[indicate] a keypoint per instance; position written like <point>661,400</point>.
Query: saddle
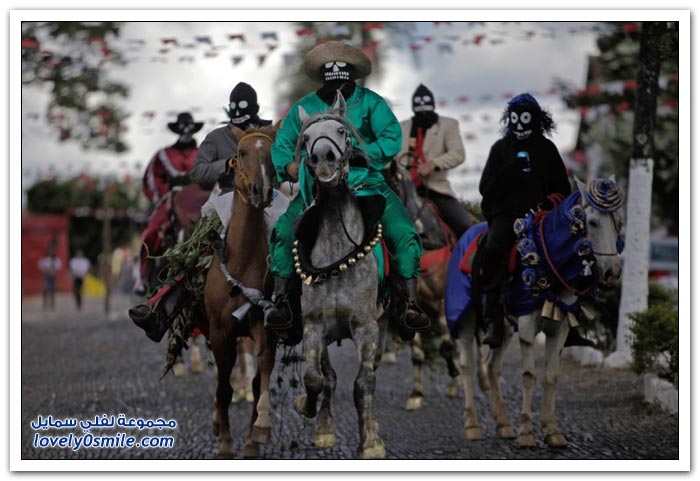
<point>187,205</point>
<point>307,225</point>
<point>472,261</point>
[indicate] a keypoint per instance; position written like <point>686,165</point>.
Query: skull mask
<point>337,70</point>
<point>243,105</point>
<point>524,118</point>
<point>423,100</point>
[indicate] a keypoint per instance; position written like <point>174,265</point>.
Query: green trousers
<point>399,234</point>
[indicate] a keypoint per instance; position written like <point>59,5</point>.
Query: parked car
<point>663,261</point>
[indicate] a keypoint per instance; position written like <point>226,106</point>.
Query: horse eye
<point>341,130</point>
<point>306,138</point>
<point>593,223</point>
<point>242,153</point>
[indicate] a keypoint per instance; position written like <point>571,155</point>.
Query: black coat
<point>508,191</point>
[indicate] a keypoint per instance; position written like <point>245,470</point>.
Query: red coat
<point>166,164</point>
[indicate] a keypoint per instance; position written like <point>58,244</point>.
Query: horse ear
<point>612,178</point>
<point>580,185</point>
<point>237,132</point>
<point>339,104</point>
<point>303,116</point>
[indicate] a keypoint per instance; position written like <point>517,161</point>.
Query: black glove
<point>179,180</point>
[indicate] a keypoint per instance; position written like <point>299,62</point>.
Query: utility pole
<point>635,274</point>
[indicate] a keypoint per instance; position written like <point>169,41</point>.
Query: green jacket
<point>369,113</point>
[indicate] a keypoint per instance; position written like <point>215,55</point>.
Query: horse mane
<point>319,117</point>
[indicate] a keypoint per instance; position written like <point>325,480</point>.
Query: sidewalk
<point>65,309</point>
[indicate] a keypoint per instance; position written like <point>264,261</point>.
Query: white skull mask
<point>336,70</point>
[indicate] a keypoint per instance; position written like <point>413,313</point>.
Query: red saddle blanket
<point>435,257</point>
<point>467,263</point>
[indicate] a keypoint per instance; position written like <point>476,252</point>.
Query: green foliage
<point>74,59</point>
<point>54,196</point>
<point>655,336</point>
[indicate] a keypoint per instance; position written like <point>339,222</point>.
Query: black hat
<point>243,104</point>
<point>185,124</point>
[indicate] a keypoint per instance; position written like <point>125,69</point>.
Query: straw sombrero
<point>335,51</point>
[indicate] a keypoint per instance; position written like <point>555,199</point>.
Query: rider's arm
<point>387,131</point>
<point>558,178</point>
<point>285,144</point>
<point>500,174</point>
<point>208,167</point>
<point>454,148</point>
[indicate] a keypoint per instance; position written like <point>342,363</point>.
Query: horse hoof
<point>179,369</point>
<point>325,440</point>
<point>452,391</point>
<point>251,450</point>
<point>527,440</point>
<point>224,455</point>
<point>249,396</point>
<point>556,440</point>
<point>389,357</point>
<point>473,433</point>
<point>505,432</point>
<point>375,451</point>
<point>413,403</point>
<point>261,435</point>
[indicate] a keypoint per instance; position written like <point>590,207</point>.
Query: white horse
<point>601,226</point>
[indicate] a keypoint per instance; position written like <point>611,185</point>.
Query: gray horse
<point>340,285</point>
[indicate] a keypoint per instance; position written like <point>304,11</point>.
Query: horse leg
<point>238,379</point>
<point>261,427</point>
<point>196,365</point>
<point>465,353</point>
<point>224,350</point>
<point>553,346</point>
<point>248,368</point>
<point>325,437</point>
<point>313,342</point>
<point>482,371</point>
<point>367,340</point>
<point>527,330</point>
<point>415,400</point>
<point>179,369</point>
<point>504,429</point>
<point>447,351</point>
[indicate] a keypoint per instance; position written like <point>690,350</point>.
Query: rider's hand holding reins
<point>293,170</point>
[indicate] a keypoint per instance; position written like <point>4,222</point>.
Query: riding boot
<point>156,315</point>
<point>415,319</point>
<point>574,338</point>
<point>279,317</point>
<point>494,321</point>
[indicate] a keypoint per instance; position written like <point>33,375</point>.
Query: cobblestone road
<point>89,364</point>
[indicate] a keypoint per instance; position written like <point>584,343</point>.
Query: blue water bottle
<point>524,157</point>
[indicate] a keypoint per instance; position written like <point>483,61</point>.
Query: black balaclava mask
<point>423,105</point>
<point>337,75</point>
<point>243,106</point>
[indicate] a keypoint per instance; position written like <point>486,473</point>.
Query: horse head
<point>327,140</point>
<point>601,200</point>
<point>254,172</point>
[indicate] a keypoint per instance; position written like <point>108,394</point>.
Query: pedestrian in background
<point>50,264</point>
<point>79,267</point>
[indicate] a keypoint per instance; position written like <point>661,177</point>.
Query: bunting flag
<point>211,54</point>
<point>237,36</point>
<point>261,60</point>
<point>169,41</point>
<point>269,36</point>
<point>236,59</point>
<point>203,39</point>
<point>305,32</point>
<point>372,26</point>
<point>29,43</point>
<point>271,47</point>
<point>414,47</point>
<point>445,48</point>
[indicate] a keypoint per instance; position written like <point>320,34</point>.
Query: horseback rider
<point>211,168</point>
<point>522,169</point>
<point>433,146</point>
<point>336,66</point>
<point>220,144</point>
<point>168,168</point>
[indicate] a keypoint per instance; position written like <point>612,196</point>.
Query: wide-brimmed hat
<point>185,124</point>
<point>335,51</point>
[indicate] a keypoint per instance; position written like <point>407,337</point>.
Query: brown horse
<point>229,284</point>
<point>431,286</point>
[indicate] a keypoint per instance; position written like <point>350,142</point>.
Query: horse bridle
<point>234,163</point>
<point>608,254</point>
<point>344,154</point>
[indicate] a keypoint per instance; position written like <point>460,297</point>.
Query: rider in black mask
<point>220,144</point>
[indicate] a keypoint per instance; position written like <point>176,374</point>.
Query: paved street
<point>86,364</point>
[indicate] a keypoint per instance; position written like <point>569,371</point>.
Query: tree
<point>74,59</point>
<point>607,112</point>
<point>635,275</point>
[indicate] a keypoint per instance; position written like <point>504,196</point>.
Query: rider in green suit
<point>337,65</point>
